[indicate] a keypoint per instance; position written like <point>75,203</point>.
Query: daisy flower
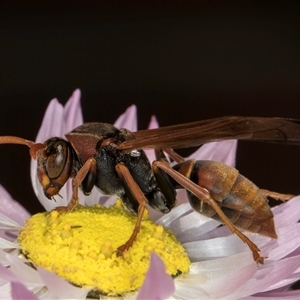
<point>221,265</point>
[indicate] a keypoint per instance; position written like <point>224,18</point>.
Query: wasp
<point>113,160</point>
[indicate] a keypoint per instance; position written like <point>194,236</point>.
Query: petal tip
<point>153,122</point>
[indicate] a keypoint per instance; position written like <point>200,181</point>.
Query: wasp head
<point>54,164</point>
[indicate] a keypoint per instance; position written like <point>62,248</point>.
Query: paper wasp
<point>98,154</point>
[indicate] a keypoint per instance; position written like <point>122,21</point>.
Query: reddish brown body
<point>239,198</point>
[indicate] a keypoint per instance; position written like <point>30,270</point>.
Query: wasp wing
<point>278,130</point>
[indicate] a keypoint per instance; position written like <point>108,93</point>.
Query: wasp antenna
<point>34,148</point>
<point>20,141</point>
<point>15,140</point>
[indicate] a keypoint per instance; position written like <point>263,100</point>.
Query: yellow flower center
<point>80,247</point>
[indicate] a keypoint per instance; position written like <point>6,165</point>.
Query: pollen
<point>81,245</point>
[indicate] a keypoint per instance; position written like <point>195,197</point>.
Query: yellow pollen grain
<point>93,255</point>
<point>107,249</point>
<point>80,246</point>
<point>75,244</point>
<point>54,214</point>
<point>159,231</point>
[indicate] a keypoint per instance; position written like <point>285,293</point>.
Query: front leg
<point>88,169</point>
<point>133,192</point>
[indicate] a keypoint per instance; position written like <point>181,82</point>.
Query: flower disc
<point>80,246</point>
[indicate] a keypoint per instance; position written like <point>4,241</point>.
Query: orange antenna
<point>17,140</point>
<point>35,148</point>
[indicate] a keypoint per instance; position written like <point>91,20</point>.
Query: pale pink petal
<point>287,213</point>
<point>52,124</point>
<point>11,208</point>
<point>3,259</point>
<point>9,276</point>
<point>72,112</point>
<point>158,284</point>
<point>24,272</point>
<point>61,288</point>
<point>107,200</point>
<point>288,241</point>
<point>214,248</point>
<point>215,279</point>
<point>285,295</point>
<point>191,226</point>
<point>270,276</point>
<point>19,291</point>
<point>92,199</point>
<point>224,151</point>
<point>12,216</point>
<point>175,214</point>
<point>152,125</point>
<point>128,119</point>
<point>6,244</point>
<point>5,289</point>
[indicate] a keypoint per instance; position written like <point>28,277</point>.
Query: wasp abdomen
<point>238,197</point>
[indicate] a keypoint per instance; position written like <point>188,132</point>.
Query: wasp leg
<point>164,182</point>
<point>133,191</point>
<point>276,196</point>
<point>88,168</point>
<point>203,195</point>
<point>175,156</point>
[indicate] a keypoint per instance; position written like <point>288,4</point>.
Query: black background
<point>182,61</point>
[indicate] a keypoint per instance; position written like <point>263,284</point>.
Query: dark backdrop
<point>182,61</point>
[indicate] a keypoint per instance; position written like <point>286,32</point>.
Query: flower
<point>222,266</point>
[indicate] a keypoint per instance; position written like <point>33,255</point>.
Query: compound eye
<point>56,161</point>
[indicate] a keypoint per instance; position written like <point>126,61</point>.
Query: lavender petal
<point>157,285</point>
<point>224,151</point>
<point>61,288</point>
<point>128,119</point>
<point>72,112</point>
<point>11,208</point>
<point>19,291</point>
